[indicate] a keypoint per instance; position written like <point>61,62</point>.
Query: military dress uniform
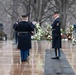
<point>56,36</point>
<point>24,38</point>
<point>15,33</point>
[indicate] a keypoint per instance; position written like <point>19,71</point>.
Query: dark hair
<point>56,12</point>
<point>24,16</point>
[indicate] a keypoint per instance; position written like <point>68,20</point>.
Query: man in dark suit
<point>56,35</point>
<point>24,29</point>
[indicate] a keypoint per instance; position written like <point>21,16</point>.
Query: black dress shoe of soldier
<point>55,57</point>
<point>24,60</point>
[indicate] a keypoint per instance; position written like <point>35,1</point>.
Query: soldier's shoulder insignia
<point>57,24</point>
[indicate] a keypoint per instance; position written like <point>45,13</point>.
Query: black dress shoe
<point>23,60</point>
<point>55,57</point>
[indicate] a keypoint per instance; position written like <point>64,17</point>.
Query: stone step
<point>57,66</point>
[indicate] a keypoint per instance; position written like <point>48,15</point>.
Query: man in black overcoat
<point>56,35</point>
<point>24,29</point>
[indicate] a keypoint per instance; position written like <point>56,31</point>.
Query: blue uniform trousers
<point>57,52</point>
<point>24,54</point>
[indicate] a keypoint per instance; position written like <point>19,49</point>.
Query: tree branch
<point>71,3</point>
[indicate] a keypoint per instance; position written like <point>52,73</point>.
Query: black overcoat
<point>56,33</point>
<point>24,37</point>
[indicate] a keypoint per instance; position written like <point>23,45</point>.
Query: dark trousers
<point>24,54</point>
<point>16,37</point>
<point>57,52</point>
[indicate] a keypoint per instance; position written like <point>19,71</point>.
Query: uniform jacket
<point>24,37</point>
<point>56,33</point>
<point>15,25</point>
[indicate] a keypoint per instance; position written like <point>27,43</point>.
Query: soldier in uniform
<point>56,35</point>
<point>15,33</point>
<point>24,30</point>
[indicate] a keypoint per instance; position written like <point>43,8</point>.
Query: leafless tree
<point>63,6</point>
<point>41,10</point>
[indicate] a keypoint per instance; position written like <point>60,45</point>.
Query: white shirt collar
<point>57,17</point>
<point>25,20</point>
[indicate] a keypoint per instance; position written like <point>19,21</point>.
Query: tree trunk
<point>15,16</point>
<point>61,4</point>
<point>63,14</point>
